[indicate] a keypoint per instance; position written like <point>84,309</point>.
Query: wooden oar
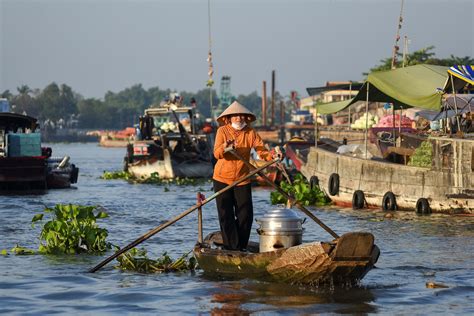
<point>286,195</point>
<point>177,218</point>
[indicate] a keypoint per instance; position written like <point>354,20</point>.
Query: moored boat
<point>117,138</point>
<point>24,164</point>
<point>170,144</point>
<point>444,184</point>
<point>60,173</point>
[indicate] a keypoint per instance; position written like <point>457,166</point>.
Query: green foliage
<point>422,156</point>
<point>17,250</point>
<point>138,261</point>
<point>153,179</point>
<point>72,230</point>
<point>301,191</point>
<point>422,56</point>
<point>113,175</point>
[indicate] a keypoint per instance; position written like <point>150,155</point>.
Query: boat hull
<point>167,168</point>
<point>346,261</point>
<point>23,173</point>
<point>448,187</point>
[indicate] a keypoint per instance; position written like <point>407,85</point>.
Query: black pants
<point>235,211</point>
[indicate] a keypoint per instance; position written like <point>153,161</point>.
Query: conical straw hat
<point>236,108</point>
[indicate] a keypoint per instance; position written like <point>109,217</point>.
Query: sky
<point>95,46</point>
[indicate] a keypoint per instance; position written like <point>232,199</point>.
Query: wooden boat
<point>343,261</point>
<point>170,145</point>
<point>118,138</point>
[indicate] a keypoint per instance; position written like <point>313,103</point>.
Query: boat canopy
<point>13,121</point>
<point>463,75</point>
<point>413,86</point>
<point>354,86</point>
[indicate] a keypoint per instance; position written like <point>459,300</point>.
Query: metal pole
<point>350,97</point>
<point>455,103</point>
<point>316,126</point>
<point>393,125</point>
<point>400,123</point>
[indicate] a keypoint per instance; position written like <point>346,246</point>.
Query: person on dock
<point>235,208</point>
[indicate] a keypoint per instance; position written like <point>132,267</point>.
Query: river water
<point>414,251</point>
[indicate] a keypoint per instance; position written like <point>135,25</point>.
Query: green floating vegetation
<point>18,250</point>
<point>422,156</point>
<point>153,179</point>
<point>301,191</point>
<point>72,230</point>
<point>137,260</point>
<point>113,175</point>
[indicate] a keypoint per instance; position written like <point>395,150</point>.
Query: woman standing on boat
<point>235,207</point>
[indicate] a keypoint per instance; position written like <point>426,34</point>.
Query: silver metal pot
<point>279,228</point>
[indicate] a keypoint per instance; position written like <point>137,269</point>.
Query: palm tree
<point>23,89</point>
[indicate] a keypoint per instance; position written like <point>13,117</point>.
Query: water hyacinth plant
<point>301,190</point>
<point>137,260</point>
<point>153,179</point>
<point>72,230</point>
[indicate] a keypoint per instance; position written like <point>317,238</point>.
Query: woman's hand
<point>277,154</point>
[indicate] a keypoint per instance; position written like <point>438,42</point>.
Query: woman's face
<point>237,118</point>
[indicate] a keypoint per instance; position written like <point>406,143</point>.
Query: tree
<point>422,56</point>
<point>6,95</point>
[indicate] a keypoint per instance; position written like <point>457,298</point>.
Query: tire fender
<point>358,200</point>
<point>333,184</point>
<point>313,182</point>
<point>389,202</point>
<point>423,207</point>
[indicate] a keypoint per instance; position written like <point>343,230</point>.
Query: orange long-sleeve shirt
<point>228,168</point>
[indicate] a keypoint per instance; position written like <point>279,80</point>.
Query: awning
<point>462,75</point>
<point>332,107</point>
<point>417,86</point>
<point>355,86</point>
<point>414,86</point>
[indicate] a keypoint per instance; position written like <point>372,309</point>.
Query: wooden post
<point>200,198</point>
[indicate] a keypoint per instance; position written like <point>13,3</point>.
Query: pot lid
<point>282,214</point>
